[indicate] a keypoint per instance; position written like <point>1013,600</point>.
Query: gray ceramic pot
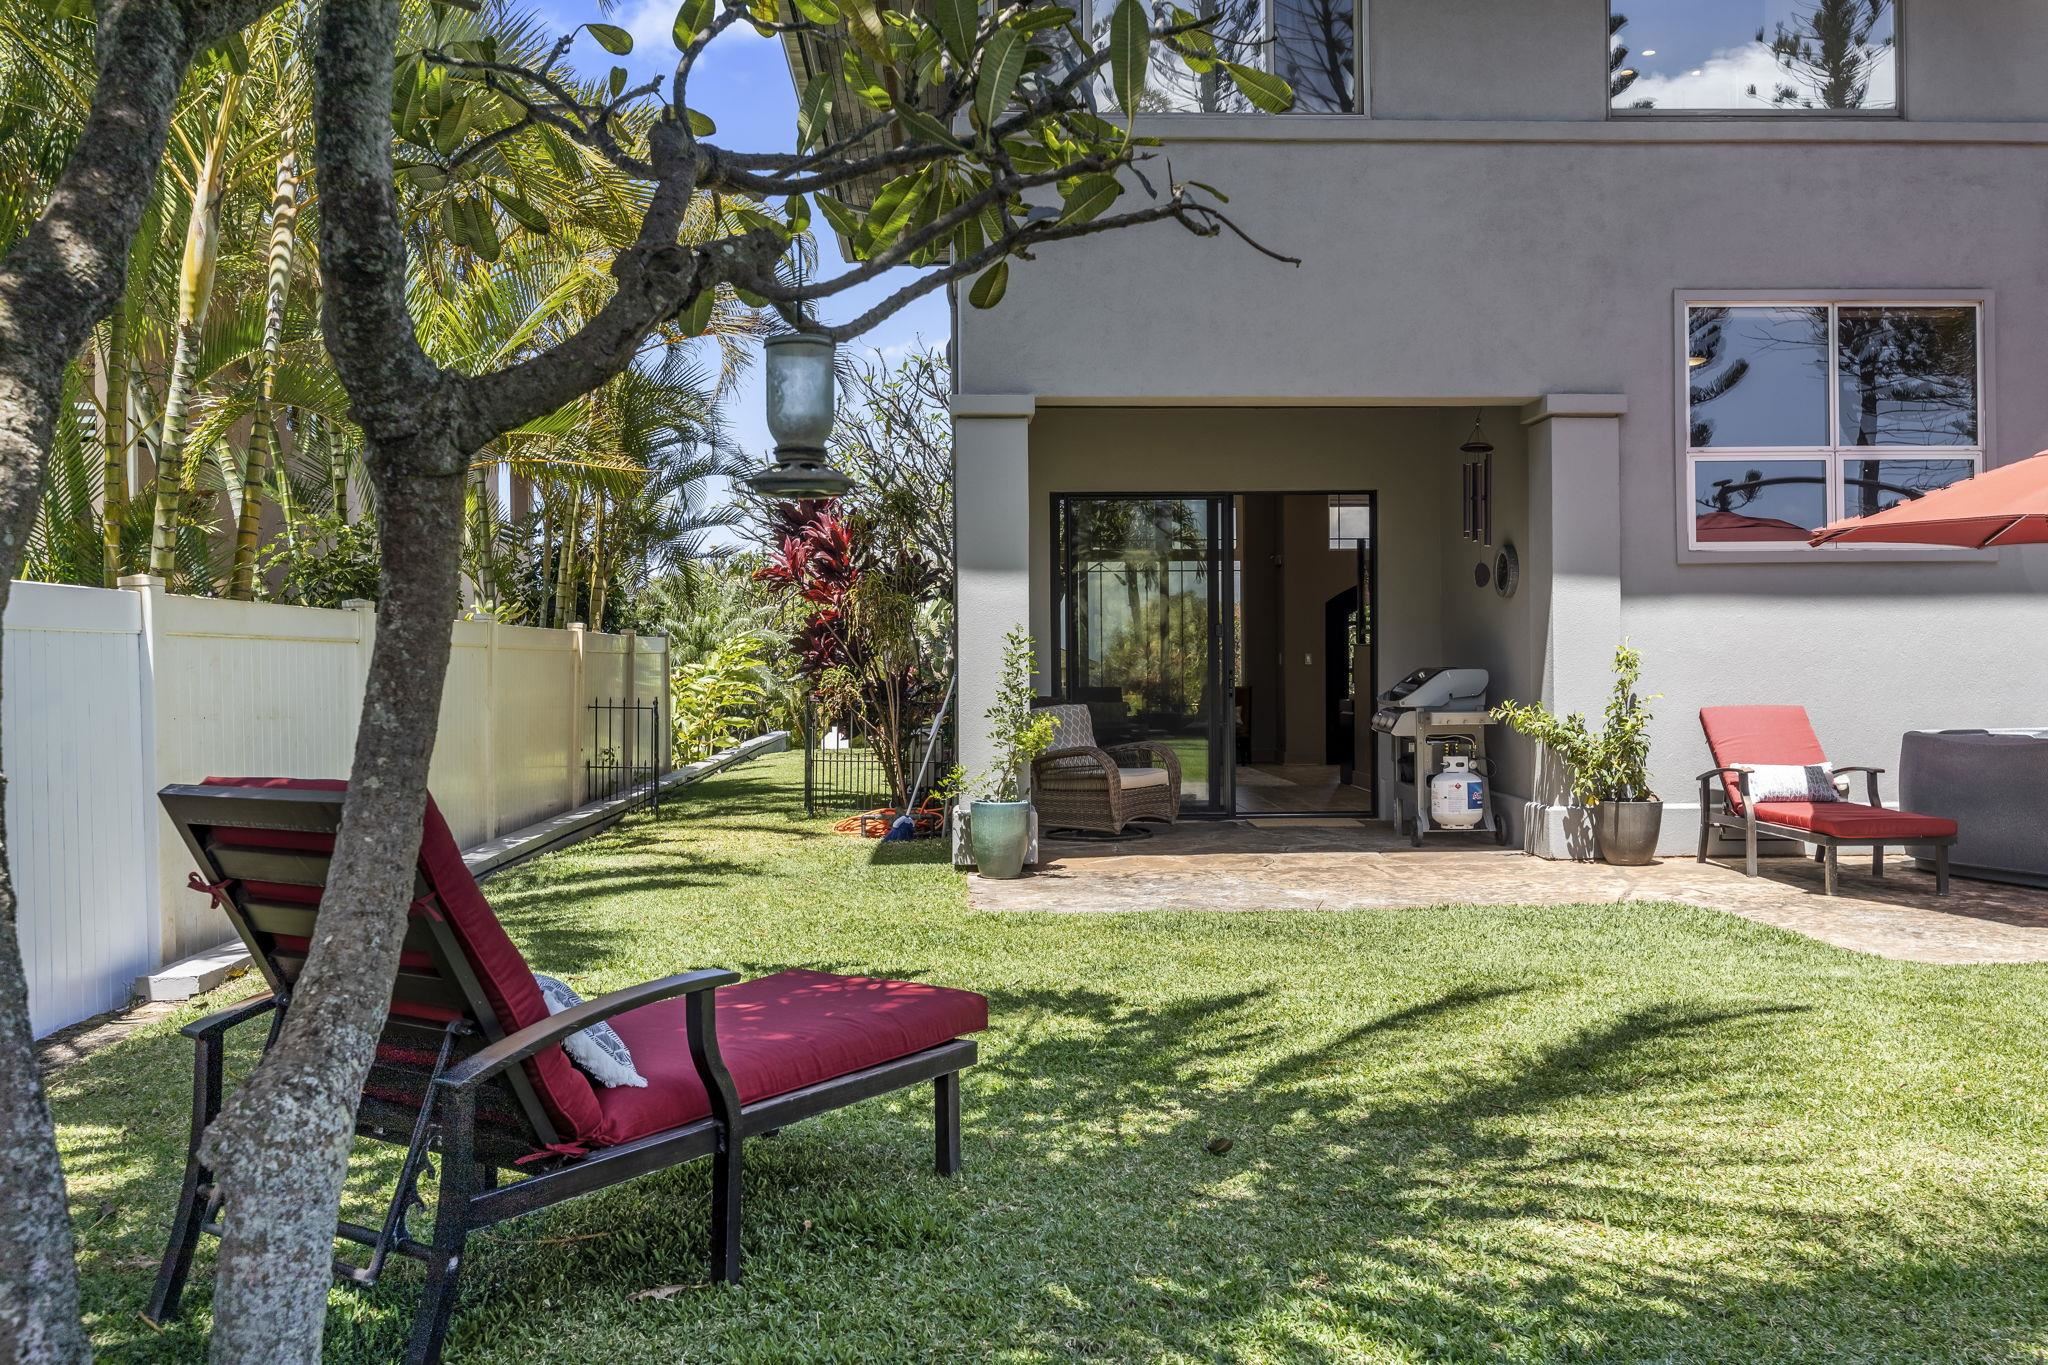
<point>1627,831</point>
<point>1000,832</point>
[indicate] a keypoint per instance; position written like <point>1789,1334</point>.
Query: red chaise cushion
<point>567,1094</point>
<point>1758,735</point>
<point>1852,820</point>
<point>779,1033</point>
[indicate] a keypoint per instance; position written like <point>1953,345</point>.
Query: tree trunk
<point>337,477</point>
<point>56,284</point>
<point>282,1142</point>
<point>281,1145</point>
<point>565,567</point>
<point>597,573</point>
<point>284,216</point>
<point>114,443</point>
<point>195,292</point>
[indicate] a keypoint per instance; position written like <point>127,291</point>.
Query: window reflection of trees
<point>1154,554</point>
<point>1310,45</point>
<point>1908,381</point>
<point>1873,485</point>
<point>1706,351</point>
<point>1621,76</point>
<point>1829,54</point>
<point>1734,495</point>
<point>1909,376</point>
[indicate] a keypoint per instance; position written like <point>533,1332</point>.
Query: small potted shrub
<point>999,815</point>
<point>1610,770</point>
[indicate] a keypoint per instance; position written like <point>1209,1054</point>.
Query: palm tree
<point>213,366</point>
<point>195,295</point>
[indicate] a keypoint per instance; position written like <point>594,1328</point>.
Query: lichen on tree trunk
<point>56,284</point>
<point>281,1144</point>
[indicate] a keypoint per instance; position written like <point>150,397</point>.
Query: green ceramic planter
<point>1001,833</point>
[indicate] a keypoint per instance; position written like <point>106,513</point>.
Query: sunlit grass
<point>1627,1133</point>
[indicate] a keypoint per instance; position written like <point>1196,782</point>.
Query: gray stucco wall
<point>1547,59</point>
<point>1452,261</point>
<point>1482,59</point>
<point>1476,271</point>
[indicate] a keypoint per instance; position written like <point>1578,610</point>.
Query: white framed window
<point>1313,45</point>
<point>1350,520</point>
<point>1796,412</point>
<point>1709,57</point>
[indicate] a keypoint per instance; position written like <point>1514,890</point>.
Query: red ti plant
<point>854,604</point>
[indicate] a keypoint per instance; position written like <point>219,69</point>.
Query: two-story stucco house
<point>1703,282</point>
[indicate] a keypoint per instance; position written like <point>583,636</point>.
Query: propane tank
<point>1457,795</point>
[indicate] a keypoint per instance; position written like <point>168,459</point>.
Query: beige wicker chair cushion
<point>1130,779</point>
<point>1072,728</point>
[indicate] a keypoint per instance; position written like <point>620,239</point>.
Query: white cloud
<point>1725,79</point>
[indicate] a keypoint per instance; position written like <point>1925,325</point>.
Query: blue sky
<point>743,84</point>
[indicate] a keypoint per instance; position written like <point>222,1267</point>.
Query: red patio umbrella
<point>1734,526</point>
<point>2007,506</point>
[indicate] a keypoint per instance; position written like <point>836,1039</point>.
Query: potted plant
<point>999,815</point>
<point>1610,770</point>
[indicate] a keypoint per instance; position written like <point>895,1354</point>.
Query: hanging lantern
<point>800,408</point>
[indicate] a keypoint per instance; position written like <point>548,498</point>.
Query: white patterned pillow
<point>1813,782</point>
<point>598,1049</point>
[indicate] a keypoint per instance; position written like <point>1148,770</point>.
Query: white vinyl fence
<point>110,695</point>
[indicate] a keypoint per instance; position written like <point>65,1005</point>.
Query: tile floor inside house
<point>1341,865</point>
<point>1265,788</point>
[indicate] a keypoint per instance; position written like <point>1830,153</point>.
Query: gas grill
<point>1426,712</point>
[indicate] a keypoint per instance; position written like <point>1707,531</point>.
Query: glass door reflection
<point>1143,604</point>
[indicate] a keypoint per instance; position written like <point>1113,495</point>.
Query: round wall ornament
<point>1507,570</point>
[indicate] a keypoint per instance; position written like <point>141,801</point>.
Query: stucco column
<point>992,546</point>
<point>1572,572</point>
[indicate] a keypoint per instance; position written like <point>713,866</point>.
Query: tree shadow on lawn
<point>1441,1219</point>
<point>1391,1191</point>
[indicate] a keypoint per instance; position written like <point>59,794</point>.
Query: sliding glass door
<point>1144,614</point>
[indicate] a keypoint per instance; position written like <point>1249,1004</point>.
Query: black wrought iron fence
<point>625,753</point>
<point>850,776</point>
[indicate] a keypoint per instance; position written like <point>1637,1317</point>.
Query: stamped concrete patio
<point>1352,865</point>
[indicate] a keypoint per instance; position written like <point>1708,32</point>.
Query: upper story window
<point>1802,412</point>
<point>1754,56</point>
<point>1310,44</point>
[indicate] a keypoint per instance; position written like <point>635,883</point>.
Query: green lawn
<point>1638,1133</point>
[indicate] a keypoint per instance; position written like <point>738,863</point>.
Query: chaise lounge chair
<point>471,1064</point>
<point>1771,754</point>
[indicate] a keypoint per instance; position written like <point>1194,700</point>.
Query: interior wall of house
<point>1483,629</point>
<point>1312,573</point>
<point>1407,456</point>
<point>1259,620</point>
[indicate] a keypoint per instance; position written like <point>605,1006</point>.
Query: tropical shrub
<point>719,700</point>
<point>1613,765</point>
<point>322,562</point>
<point>1018,733</point>
<point>861,635</point>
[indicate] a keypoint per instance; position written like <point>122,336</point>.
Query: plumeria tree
<point>979,130</point>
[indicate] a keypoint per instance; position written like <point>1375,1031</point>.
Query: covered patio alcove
<point>1241,488</point>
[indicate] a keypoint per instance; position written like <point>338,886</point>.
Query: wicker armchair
<point>1077,785</point>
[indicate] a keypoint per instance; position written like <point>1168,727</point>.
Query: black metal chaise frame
<point>459,1090</point>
